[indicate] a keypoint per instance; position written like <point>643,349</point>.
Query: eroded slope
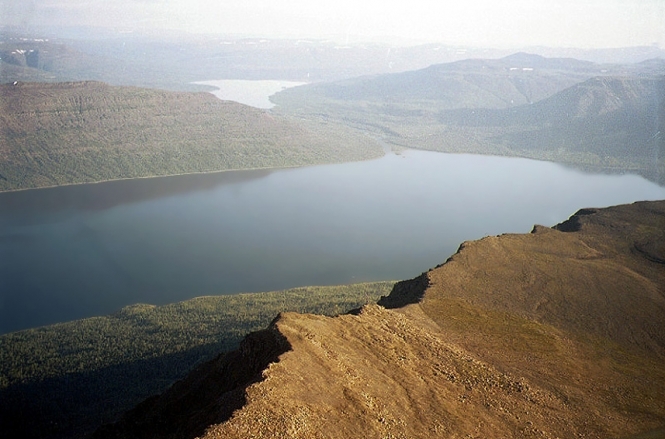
<point>557,333</point>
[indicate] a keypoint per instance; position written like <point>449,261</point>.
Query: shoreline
<point>146,177</point>
<point>387,150</point>
<point>259,97</point>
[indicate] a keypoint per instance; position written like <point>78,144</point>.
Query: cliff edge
<point>555,333</point>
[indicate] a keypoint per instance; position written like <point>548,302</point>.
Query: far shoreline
<point>386,150</point>
<point>147,177</point>
<point>238,90</point>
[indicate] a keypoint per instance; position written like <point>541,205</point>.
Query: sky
<point>481,23</point>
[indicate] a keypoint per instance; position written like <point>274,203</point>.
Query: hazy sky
<point>579,23</point>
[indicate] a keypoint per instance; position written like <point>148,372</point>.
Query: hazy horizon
<point>480,23</point>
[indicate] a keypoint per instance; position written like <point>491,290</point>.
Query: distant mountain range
<point>526,105</point>
<point>517,79</point>
<point>595,116</point>
<point>174,61</point>
<point>477,83</point>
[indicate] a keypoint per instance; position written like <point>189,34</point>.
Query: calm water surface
<point>79,251</point>
<point>249,92</point>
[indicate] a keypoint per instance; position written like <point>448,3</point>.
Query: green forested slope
<point>66,379</point>
<point>64,133</point>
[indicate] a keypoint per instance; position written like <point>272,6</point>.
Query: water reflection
<point>101,196</point>
<point>79,251</point>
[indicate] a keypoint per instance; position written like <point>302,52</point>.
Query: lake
<point>79,251</point>
<point>249,92</point>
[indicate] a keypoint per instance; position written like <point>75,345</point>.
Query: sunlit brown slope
<point>557,333</point>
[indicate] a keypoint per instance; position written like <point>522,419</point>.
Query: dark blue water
<point>79,251</point>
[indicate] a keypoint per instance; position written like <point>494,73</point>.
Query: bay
<point>255,93</point>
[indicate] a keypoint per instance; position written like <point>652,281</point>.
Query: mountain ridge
<point>470,83</point>
<point>555,333</point>
<point>82,374</point>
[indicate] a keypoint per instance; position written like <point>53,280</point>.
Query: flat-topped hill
<point>65,133</point>
<point>556,333</point>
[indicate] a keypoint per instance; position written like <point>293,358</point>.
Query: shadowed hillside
<point>64,133</point>
<point>602,123</point>
<point>556,333</point>
<point>82,374</point>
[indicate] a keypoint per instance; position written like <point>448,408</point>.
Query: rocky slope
<point>556,333</point>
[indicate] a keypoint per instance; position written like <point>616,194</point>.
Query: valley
<point>376,167</point>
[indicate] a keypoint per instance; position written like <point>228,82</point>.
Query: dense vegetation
<point>64,133</point>
<point>80,374</point>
